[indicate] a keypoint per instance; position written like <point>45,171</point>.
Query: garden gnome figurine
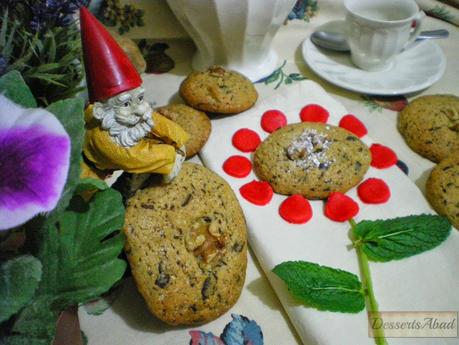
<point>122,130</point>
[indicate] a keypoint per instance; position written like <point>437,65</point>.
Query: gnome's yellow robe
<point>153,154</point>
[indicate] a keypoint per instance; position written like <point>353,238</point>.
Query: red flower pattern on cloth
<point>246,140</point>
<point>296,209</point>
<point>382,157</point>
<point>273,120</point>
<point>237,166</point>
<point>353,124</point>
<point>257,192</point>
<point>340,207</point>
<point>314,113</point>
<point>373,191</point>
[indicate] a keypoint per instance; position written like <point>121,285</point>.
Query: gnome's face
<point>127,116</point>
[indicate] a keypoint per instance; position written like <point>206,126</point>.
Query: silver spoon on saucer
<point>337,41</point>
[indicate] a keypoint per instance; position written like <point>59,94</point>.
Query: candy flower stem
<point>372,304</point>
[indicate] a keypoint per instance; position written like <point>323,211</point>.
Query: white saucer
<point>415,69</point>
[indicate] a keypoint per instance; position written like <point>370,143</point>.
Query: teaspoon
<point>337,41</point>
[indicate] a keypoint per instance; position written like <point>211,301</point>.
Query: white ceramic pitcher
<point>236,34</point>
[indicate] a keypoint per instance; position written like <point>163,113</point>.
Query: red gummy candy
<point>382,157</point>
<point>314,113</point>
<point>340,207</point>
<point>353,125</point>
<point>295,209</point>
<point>272,120</point>
<point>246,140</point>
<point>257,192</point>
<point>373,191</point>
<point>237,166</point>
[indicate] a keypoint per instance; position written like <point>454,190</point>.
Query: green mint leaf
<point>70,114</point>
<point>322,287</point>
<point>13,86</point>
<point>19,278</point>
<point>398,238</point>
<point>86,184</point>
<point>79,254</point>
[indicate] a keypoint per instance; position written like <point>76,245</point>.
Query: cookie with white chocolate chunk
<point>311,159</point>
<point>186,245</point>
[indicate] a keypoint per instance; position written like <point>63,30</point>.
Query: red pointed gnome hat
<point>108,69</point>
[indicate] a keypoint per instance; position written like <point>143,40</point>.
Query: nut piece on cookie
<point>218,91</point>
<point>430,126</point>
<point>194,122</point>
<point>311,159</point>
<point>186,244</point>
<point>442,189</point>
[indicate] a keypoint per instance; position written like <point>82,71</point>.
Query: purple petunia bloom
<point>34,162</point>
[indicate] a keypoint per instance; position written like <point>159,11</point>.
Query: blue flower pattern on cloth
<point>240,331</point>
<point>303,10</point>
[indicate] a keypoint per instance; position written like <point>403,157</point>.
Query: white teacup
<point>377,30</point>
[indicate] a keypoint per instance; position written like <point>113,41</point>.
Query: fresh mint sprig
<point>327,288</point>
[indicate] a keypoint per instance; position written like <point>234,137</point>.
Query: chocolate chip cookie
<point>442,189</point>
<point>218,91</point>
<point>186,245</point>
<point>430,126</point>
<point>194,122</point>
<point>311,159</point>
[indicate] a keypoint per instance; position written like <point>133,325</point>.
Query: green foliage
<point>441,12</point>
<point>322,287</point>
<point>87,184</point>
<point>75,247</point>
<point>19,278</point>
<point>79,254</point>
<point>398,238</point>
<point>13,86</point>
<point>49,62</point>
<point>70,113</point>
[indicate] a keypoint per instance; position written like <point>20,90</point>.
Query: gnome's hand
<point>169,131</point>
<point>180,156</point>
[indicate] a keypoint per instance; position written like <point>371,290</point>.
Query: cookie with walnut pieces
<point>218,91</point>
<point>311,159</point>
<point>186,244</point>
<point>442,189</point>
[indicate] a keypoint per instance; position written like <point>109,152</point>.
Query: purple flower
<point>51,13</point>
<point>34,162</point>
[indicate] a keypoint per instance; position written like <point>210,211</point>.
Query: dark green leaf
<point>273,77</point>
<point>398,238</point>
<point>85,263</point>
<point>15,88</point>
<point>296,76</point>
<point>70,114</point>
<point>19,278</point>
<point>80,261</point>
<point>288,81</point>
<point>322,287</point>
<point>90,184</point>
<point>37,320</point>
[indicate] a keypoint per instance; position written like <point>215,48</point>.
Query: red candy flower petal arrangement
<point>296,209</point>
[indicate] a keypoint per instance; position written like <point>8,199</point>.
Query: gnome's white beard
<point>127,135</point>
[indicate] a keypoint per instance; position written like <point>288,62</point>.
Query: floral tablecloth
<point>122,317</point>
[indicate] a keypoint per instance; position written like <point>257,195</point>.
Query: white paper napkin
<point>427,282</point>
